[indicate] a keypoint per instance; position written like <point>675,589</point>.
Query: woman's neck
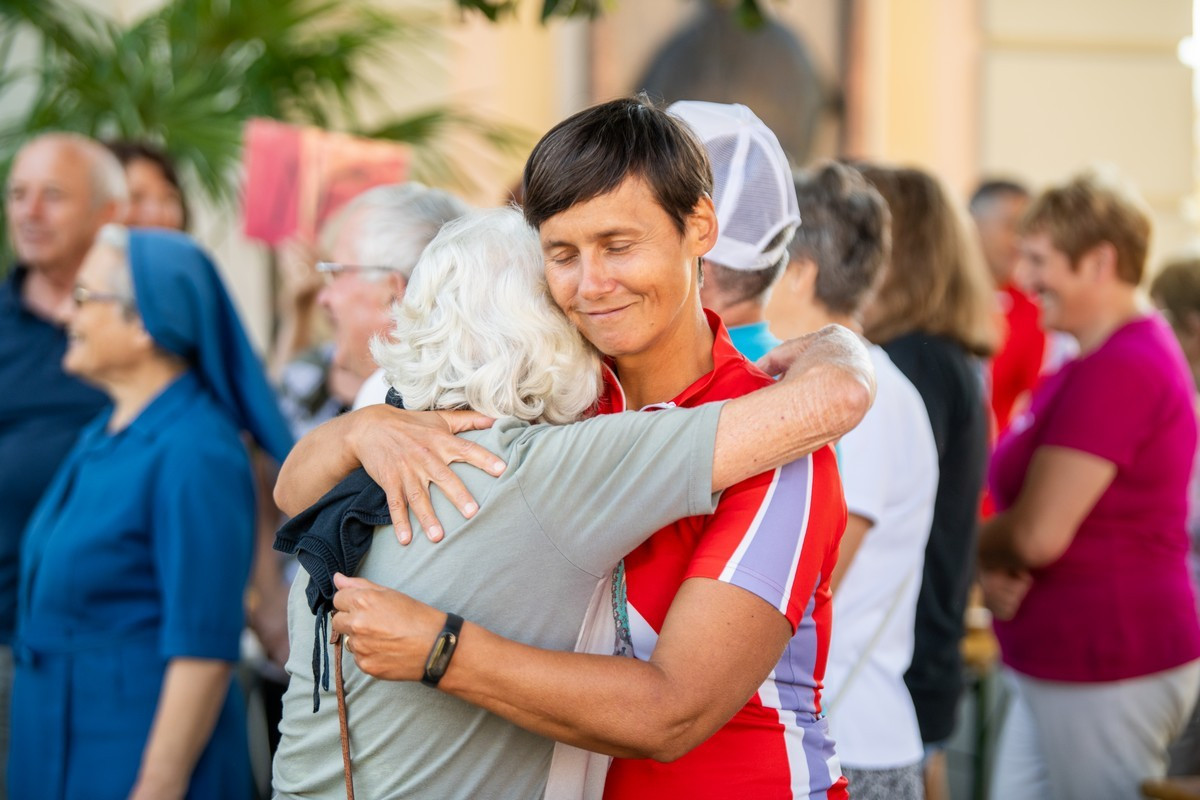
<point>1124,306</point>
<point>132,391</point>
<point>661,372</point>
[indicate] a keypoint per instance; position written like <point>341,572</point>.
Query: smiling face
<point>1065,291</point>
<point>52,210</point>
<point>105,340</point>
<point>623,273</point>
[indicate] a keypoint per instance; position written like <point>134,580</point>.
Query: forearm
<point>1000,544</point>
<point>192,696</point>
<point>315,465</point>
<point>620,706</point>
<point>784,422</point>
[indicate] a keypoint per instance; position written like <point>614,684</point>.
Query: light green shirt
<point>573,500</point>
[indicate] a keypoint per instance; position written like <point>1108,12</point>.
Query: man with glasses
<point>62,189</point>
<point>372,245</point>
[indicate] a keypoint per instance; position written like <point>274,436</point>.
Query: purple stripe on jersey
<point>772,551</point>
<point>819,756</point>
<point>794,679</point>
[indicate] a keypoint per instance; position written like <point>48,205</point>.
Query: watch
<point>443,649</point>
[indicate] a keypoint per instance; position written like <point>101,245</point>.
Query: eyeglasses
<point>332,269</point>
<point>82,295</point>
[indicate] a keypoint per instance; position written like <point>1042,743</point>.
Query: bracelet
<point>443,649</point>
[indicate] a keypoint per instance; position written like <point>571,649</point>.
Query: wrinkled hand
<point>832,347</point>
<point>390,634</point>
<point>405,451</point>
<point>1003,590</point>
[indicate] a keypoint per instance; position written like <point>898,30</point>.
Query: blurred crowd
<point>761,589</point>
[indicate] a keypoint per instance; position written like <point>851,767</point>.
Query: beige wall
<point>1028,88</point>
<point>1075,83</point>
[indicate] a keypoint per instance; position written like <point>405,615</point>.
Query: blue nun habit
<point>140,550</point>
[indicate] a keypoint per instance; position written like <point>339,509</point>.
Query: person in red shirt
<point>727,615</point>
<point>996,207</point>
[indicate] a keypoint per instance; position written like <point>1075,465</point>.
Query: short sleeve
<point>203,543</point>
<point>601,487</point>
<point>773,534</point>
<point>1089,416</point>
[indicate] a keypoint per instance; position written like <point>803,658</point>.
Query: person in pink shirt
<point>1085,563</point>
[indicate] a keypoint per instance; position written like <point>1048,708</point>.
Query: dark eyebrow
<point>612,233</point>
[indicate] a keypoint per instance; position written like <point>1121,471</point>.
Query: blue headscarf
<point>186,310</point>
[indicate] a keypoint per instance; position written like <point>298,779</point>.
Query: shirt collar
<point>723,352</point>
<point>167,405</point>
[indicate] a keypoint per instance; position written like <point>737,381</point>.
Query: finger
<point>454,489</point>
<point>346,582</point>
<point>460,421</point>
<point>776,361</point>
<point>476,455</point>
<point>422,509</point>
<point>398,510</point>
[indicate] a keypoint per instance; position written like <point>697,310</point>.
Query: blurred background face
<point>998,235</point>
<point>153,201</point>
<point>103,340</point>
<point>1061,289</point>
<point>358,303</point>
<point>52,212</point>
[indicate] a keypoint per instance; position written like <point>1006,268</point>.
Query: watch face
<point>439,657</point>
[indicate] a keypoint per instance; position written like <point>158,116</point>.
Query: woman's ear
<point>700,227</point>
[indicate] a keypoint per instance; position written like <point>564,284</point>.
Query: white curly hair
<point>477,329</point>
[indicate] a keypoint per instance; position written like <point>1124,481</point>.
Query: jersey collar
<point>723,353</point>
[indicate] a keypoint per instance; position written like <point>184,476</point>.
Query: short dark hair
<point>129,150</point>
<point>592,152</point>
<point>845,230</point>
<point>995,188</point>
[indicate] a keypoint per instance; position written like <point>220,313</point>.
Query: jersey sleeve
<point>203,544</point>
<point>772,535</point>
<point>1089,416</point>
<point>601,487</point>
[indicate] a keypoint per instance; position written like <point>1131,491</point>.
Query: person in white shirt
<point>889,473</point>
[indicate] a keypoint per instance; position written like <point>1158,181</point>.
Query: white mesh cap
<point>752,183</point>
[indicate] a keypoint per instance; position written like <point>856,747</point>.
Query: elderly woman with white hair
<point>478,330</point>
<point>135,560</point>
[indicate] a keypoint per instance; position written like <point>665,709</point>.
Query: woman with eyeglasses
<point>134,564</point>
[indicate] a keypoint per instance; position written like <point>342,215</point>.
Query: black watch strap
<point>442,651</point>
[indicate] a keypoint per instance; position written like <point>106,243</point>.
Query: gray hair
<point>477,329</point>
<point>105,172</point>
<point>846,232</point>
<point>396,223</point>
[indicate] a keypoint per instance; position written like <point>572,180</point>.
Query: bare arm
<point>828,387</point>
<point>701,672</point>
<point>192,695</point>
<point>1061,488</point>
<point>856,530</point>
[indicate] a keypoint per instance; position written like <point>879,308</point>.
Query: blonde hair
<point>935,280</point>
<point>1088,210</point>
<point>477,329</point>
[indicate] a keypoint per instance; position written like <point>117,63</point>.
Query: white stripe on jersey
<point>808,487</point>
<point>734,560</point>
<point>641,633</point>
